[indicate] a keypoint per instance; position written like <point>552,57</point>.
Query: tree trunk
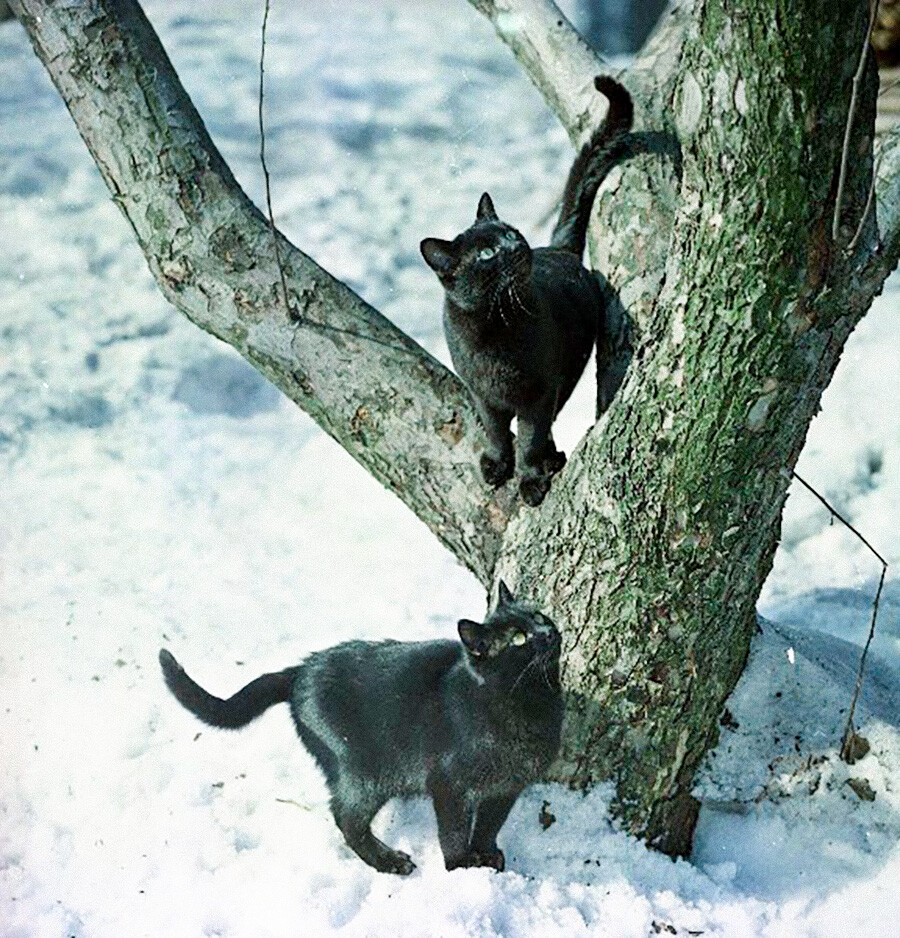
<point>652,545</point>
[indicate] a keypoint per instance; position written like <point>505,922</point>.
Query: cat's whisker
<point>499,286</point>
<point>544,661</point>
<point>496,301</point>
<point>499,302</point>
<point>534,661</point>
<point>504,299</point>
<point>518,300</point>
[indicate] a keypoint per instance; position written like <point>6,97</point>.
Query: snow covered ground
<point>155,491</point>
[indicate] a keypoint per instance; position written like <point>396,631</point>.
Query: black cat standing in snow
<point>521,323</point>
<point>471,724</point>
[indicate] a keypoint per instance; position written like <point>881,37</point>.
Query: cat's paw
<point>492,858</point>
<point>554,461</point>
<point>496,472</point>
<point>395,861</point>
<point>533,489</point>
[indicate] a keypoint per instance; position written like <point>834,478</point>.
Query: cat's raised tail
<point>246,705</point>
<point>597,157</point>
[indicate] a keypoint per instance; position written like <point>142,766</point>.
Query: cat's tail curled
<point>246,705</point>
<point>596,158</point>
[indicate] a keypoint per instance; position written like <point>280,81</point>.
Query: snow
<point>155,491</point>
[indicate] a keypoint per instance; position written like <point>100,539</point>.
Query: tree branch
<point>394,408</point>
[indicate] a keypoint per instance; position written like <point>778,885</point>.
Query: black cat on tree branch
<point>743,274</point>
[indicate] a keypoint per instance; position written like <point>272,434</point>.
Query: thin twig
<point>265,169</point>
<point>840,517</point>
<point>297,804</point>
<point>849,732</point>
<point>851,117</point>
<point>292,314</point>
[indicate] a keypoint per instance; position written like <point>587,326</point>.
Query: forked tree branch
<point>654,541</point>
<point>394,408</point>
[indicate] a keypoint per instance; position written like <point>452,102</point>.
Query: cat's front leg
<point>537,457</point>
<point>497,460</point>
<point>490,815</point>
<point>454,817</point>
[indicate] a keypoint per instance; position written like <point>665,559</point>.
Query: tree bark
<point>660,533</point>
<point>653,544</point>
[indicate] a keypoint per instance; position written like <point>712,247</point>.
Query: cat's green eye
<point>485,254</point>
<point>519,638</point>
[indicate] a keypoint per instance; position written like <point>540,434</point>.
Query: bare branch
<point>396,410</point>
<point>849,732</point>
<point>562,66</point>
<point>851,118</point>
<point>262,160</point>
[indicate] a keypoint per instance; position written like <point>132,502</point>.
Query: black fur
<point>471,724</point>
<point>246,705</point>
<point>521,323</point>
<point>596,158</point>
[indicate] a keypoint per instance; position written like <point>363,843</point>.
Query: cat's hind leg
<point>498,459</point>
<point>354,800</point>
<point>353,811</point>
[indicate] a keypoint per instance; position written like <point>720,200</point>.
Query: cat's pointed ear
<point>439,255</point>
<point>486,209</point>
<point>472,636</point>
<point>504,596</point>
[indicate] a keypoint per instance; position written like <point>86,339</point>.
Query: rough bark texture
<point>660,532</point>
<point>654,542</point>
